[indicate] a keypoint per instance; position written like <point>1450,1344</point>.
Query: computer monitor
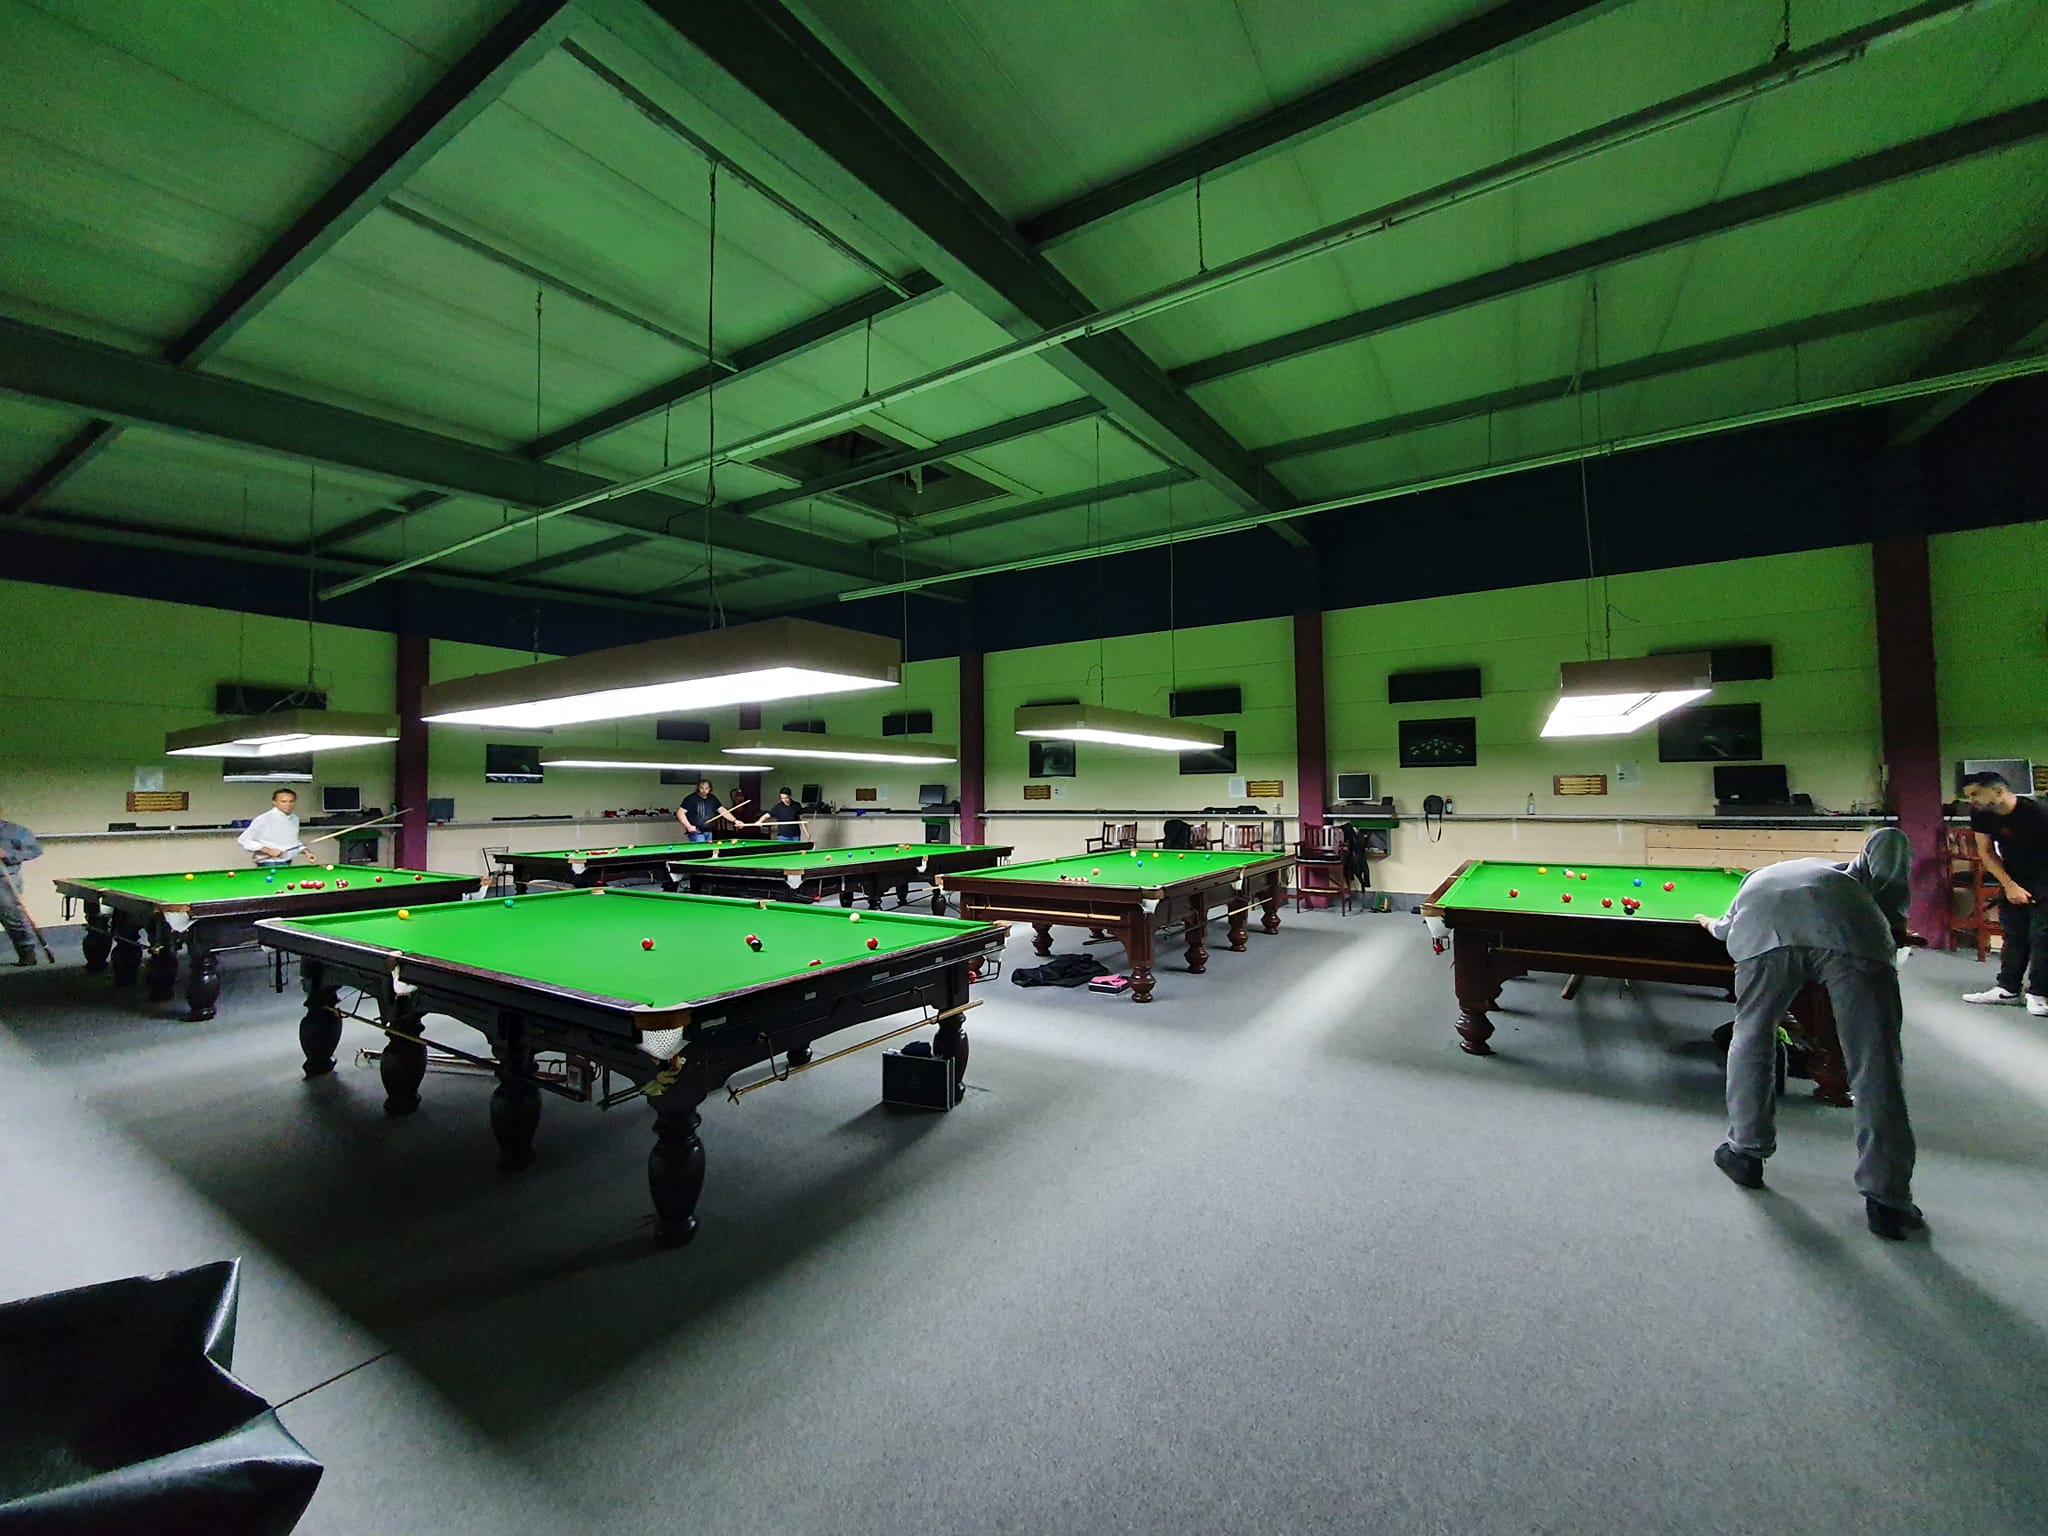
<point>1354,787</point>
<point>341,797</point>
<point>931,794</point>
<point>814,794</point>
<point>1752,784</point>
<point>440,809</point>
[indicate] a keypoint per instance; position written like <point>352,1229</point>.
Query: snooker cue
<point>734,1095</point>
<point>22,906</point>
<point>306,847</point>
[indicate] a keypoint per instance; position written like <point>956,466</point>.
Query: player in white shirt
<point>273,837</point>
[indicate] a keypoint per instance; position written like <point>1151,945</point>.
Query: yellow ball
<point>191,877</point>
<point>403,914</point>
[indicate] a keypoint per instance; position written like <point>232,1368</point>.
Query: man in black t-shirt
<point>2012,840</point>
<point>785,816</point>
<point>701,812</point>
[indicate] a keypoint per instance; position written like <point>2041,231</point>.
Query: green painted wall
<point>1138,672</point>
<point>93,682</point>
<point>1991,641</point>
<point>1819,712</point>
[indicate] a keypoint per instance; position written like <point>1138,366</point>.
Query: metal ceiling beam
<point>784,345</point>
<point>995,517</point>
<point>905,459</point>
<point>529,32</point>
<point>1965,141</point>
<point>1483,39</point>
<point>131,534</point>
<point>40,364</point>
<point>1839,322</point>
<point>383,517</point>
<point>752,63</point>
<point>2013,321</point>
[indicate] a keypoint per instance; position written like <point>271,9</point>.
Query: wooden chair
<point>1199,835</point>
<point>1115,834</point>
<point>1319,871</point>
<point>1966,873</point>
<point>1244,837</point>
<point>497,876</point>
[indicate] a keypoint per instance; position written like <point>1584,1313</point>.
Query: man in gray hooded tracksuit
<point>1807,921</point>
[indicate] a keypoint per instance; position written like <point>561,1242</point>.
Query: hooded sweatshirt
<point>1858,908</point>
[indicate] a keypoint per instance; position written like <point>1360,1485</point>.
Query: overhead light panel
<point>1614,698</point>
<point>1115,727</point>
<point>778,745</point>
<point>644,758</point>
<point>746,664</point>
<point>284,733</point>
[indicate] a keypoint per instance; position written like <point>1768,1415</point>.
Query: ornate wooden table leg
<point>98,942</point>
<point>320,1029</point>
<point>1275,894</point>
<point>202,983</point>
<point>1239,901</point>
<point>1196,931</point>
<point>403,1063</point>
<point>1816,1016</point>
<point>515,1102</point>
<point>160,963</point>
<point>1478,981</point>
<point>675,1165</point>
<point>951,1040</point>
<point>1138,949</point>
<point>1041,943</point>
<point>127,953</point>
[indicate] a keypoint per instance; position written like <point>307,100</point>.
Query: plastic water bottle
<point>1532,802</point>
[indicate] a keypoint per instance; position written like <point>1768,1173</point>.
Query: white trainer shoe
<point>1991,995</point>
<point>2037,1005</point>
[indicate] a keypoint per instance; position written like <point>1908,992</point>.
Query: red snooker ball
<point>647,943</point>
<point>1513,892</point>
<point>816,962</point>
<point>1567,895</point>
<point>1670,885</point>
<point>874,943</point>
<point>753,941</point>
<point>1606,901</point>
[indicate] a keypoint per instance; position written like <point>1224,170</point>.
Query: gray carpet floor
<point>1270,1255</point>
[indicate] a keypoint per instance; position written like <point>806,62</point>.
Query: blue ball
<point>270,879</point>
<point>1639,880</point>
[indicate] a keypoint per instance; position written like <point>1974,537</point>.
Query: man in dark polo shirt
<point>2012,840</point>
<point>785,816</point>
<point>701,812</point>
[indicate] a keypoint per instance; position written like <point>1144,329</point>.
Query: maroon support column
<point>1311,745</point>
<point>1911,725</point>
<point>973,745</point>
<point>409,772</point>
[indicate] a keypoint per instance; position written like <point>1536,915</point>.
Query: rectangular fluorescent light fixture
<point>1615,698</point>
<point>285,733</point>
<point>1115,727</point>
<point>644,758</point>
<point>778,745</point>
<point>746,664</point>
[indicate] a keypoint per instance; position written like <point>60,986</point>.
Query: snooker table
<point>567,971</point>
<point>1496,935</point>
<point>584,867</point>
<point>799,873</point>
<point>1130,893</point>
<point>140,922</point>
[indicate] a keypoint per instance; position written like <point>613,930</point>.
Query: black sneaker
<point>1744,1168</point>
<point>24,957</point>
<point>1892,1223</point>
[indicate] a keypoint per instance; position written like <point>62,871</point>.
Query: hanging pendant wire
<point>538,296</point>
<point>1101,610</point>
<point>312,584</point>
<point>1172,631</point>
<point>714,611</point>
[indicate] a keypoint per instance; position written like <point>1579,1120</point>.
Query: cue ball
<point>1606,901</point>
<point>874,943</point>
<point>647,943</point>
<point>1670,885</point>
<point>330,866</point>
<point>853,917</point>
<point>403,914</point>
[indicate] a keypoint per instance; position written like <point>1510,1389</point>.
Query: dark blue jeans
<point>2023,966</point>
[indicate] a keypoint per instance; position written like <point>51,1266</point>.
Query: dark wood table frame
<point>757,875</point>
<point>1134,915</point>
<point>676,1056</point>
<point>625,864</point>
<point>1490,947</point>
<point>130,934</point>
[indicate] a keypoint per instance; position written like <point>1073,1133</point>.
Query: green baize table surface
<point>1485,887</point>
